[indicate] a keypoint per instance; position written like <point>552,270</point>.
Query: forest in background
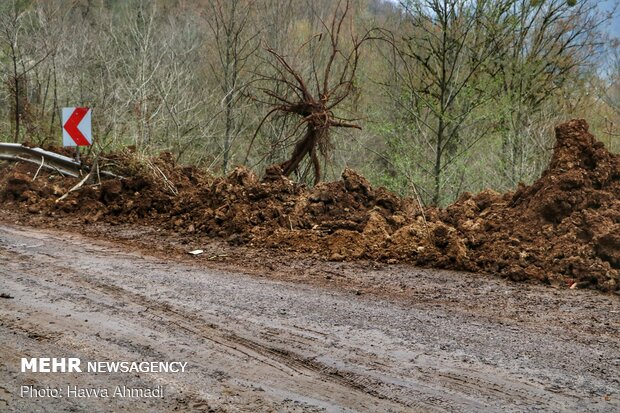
<point>451,95</point>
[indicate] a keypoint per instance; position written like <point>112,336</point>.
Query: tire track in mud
<point>277,358</point>
<point>433,385</point>
<point>289,360</point>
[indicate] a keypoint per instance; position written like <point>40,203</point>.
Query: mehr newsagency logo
<point>75,365</point>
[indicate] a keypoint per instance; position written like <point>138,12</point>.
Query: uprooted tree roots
<point>315,105</point>
<point>563,229</point>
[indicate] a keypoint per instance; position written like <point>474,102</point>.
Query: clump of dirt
<point>147,193</point>
<point>565,228</point>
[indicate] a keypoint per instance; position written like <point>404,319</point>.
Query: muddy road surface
<point>449,342</point>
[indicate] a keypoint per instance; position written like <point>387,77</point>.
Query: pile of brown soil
<point>565,228</point>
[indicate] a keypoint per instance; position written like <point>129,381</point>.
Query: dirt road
<point>448,342</point>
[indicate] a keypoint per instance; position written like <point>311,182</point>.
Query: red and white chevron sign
<point>76,127</point>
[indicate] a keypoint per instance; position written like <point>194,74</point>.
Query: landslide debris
<point>563,229</point>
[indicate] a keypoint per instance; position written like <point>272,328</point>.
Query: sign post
<point>76,128</point>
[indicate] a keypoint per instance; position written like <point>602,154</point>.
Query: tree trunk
<point>304,147</point>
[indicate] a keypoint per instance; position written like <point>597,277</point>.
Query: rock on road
<point>462,343</point>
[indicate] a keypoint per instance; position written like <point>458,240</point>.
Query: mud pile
<point>346,219</point>
<point>150,189</point>
<point>565,228</point>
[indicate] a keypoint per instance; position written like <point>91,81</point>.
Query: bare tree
<point>610,88</point>
<point>48,22</point>
<point>441,69</point>
<point>12,34</point>
<point>188,101</point>
<point>552,44</point>
<point>236,40</point>
<point>141,48</point>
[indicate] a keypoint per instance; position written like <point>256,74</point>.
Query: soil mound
<point>565,228</point>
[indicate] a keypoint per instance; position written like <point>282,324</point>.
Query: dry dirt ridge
<point>441,341</point>
<point>564,229</point>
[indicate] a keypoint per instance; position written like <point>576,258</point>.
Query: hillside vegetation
<point>450,95</point>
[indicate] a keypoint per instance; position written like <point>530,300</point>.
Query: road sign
<point>76,127</point>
